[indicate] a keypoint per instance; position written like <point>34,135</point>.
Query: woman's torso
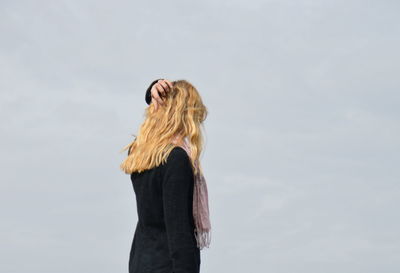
<point>150,252</point>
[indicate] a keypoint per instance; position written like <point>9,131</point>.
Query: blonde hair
<point>181,115</point>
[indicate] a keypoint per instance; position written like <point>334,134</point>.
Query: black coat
<point>164,240</point>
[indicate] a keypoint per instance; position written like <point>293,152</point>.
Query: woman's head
<point>181,115</point>
<point>182,108</point>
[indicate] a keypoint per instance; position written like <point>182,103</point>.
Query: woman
<point>171,196</point>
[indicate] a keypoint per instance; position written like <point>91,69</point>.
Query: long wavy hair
<point>181,116</point>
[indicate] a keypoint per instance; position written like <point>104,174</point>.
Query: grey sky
<point>302,138</point>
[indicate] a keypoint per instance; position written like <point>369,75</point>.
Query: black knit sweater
<point>164,241</point>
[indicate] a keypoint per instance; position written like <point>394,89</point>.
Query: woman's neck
<point>178,140</point>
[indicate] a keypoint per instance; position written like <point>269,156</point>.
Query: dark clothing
<point>164,240</point>
<point>148,93</point>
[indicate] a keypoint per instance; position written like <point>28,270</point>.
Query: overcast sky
<point>302,137</point>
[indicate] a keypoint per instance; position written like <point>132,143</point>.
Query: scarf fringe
<point>203,239</point>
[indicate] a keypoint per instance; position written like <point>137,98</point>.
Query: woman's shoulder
<point>177,165</point>
<point>177,153</point>
<point>177,158</point>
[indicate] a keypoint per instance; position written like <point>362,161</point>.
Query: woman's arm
<point>148,91</point>
<point>156,91</point>
<point>177,188</point>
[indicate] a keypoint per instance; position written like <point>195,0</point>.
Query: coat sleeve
<point>177,188</point>
<point>148,93</point>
